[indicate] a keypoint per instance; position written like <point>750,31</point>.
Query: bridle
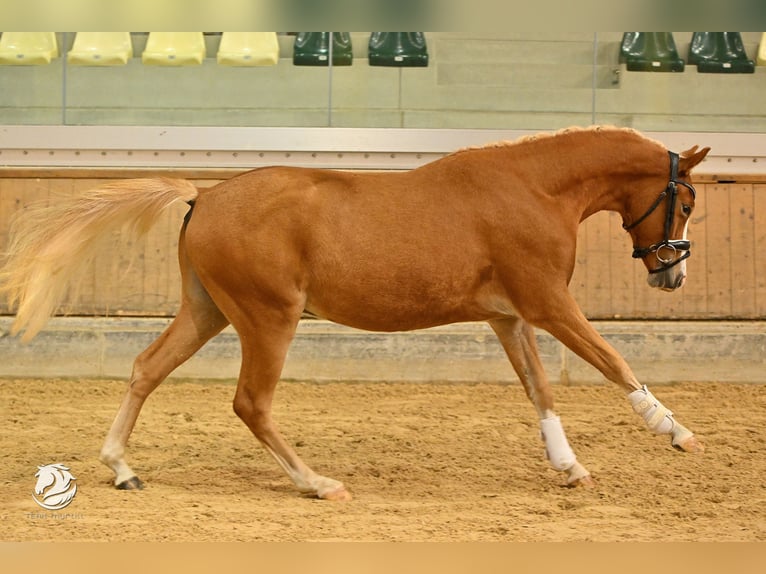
<point>674,245</point>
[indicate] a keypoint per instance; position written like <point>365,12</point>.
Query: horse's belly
<point>404,306</point>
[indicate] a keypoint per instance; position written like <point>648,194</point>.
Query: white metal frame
<point>343,148</point>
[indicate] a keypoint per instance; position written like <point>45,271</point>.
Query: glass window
<point>391,80</point>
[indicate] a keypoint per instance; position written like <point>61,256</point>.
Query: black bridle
<point>674,245</point>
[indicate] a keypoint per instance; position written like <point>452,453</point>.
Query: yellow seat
<point>248,49</point>
<point>762,51</point>
<point>101,49</point>
<point>28,48</point>
<point>174,49</point>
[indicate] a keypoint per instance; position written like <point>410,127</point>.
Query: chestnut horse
<point>483,234</point>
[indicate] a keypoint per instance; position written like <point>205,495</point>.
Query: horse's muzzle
<point>668,279</point>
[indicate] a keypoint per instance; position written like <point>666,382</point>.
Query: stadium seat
<point>101,49</point>
<point>28,48</point>
<point>174,49</point>
<point>248,49</point>
<point>650,52</point>
<point>405,49</point>
<point>762,51</point>
<point>719,53</point>
<point>313,49</point>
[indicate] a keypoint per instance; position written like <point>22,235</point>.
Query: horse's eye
<point>687,209</point>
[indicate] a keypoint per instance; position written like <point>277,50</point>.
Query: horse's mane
<point>559,133</point>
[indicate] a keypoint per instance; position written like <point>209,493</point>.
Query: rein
<point>674,245</point>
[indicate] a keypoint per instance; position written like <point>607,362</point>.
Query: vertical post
<point>329,81</point>
<point>63,53</point>
<point>594,79</point>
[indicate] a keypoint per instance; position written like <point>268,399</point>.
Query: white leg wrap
<point>557,448</point>
<point>657,417</point>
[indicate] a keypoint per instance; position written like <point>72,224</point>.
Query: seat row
<point>235,49</point>
<point>711,52</point>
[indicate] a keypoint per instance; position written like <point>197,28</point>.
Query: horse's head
<point>658,223</point>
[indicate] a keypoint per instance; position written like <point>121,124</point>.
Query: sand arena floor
<point>425,462</point>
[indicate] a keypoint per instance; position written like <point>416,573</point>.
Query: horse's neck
<point>598,174</point>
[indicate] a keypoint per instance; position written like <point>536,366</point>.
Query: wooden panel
<point>718,249</point>
<point>621,266</point>
<point>695,302</point>
<point>16,194</point>
<point>597,276</point>
<point>742,254</point>
<point>84,298</point>
<point>603,279</point>
<point>759,249</point>
<point>727,270</point>
<point>127,277</point>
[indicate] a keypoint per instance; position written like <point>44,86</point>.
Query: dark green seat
<point>404,49</point>
<point>313,49</point>
<point>650,52</point>
<point>719,53</point>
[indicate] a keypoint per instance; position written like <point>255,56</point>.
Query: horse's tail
<point>51,244</point>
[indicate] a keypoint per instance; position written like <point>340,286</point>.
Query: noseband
<point>674,245</point>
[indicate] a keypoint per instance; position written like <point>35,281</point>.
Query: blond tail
<point>51,245</point>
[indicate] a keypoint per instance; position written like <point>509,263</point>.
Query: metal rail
<point>733,155</point>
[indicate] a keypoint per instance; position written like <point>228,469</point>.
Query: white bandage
<point>657,417</point>
<point>557,448</point>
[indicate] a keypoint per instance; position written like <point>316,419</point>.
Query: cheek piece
<point>673,246</point>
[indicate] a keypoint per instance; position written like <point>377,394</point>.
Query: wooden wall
<point>129,278</point>
<point>727,270</point>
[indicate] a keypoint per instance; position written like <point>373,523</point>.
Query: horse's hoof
<point>578,475</point>
<point>340,495</point>
<point>690,444</point>
<point>133,483</point>
<point>584,482</point>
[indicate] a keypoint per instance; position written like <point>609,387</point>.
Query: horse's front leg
<point>564,320</point>
<point>518,340</point>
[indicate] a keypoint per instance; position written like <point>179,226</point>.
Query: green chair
<point>313,49</point>
<point>719,53</point>
<point>650,52</point>
<point>404,49</point>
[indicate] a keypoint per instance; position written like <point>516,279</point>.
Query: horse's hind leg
<point>518,340</point>
<point>266,335</point>
<point>197,321</point>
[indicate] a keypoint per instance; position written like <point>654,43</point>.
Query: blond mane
<point>554,134</point>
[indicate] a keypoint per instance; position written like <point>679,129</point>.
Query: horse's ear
<point>691,157</point>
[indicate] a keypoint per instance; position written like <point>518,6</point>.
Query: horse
<point>481,234</point>
<point>56,484</point>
